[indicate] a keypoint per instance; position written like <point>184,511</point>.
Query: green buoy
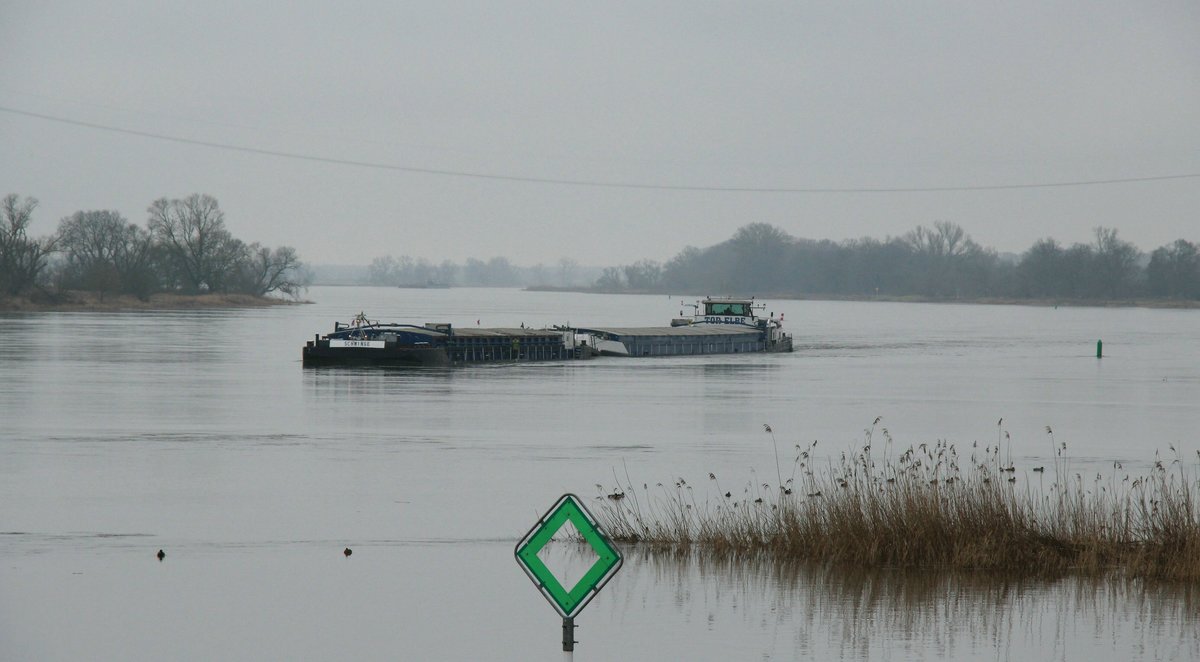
<point>1099,349</point>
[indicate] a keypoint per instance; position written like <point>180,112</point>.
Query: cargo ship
<point>716,326</point>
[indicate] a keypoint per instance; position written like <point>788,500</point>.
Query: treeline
<point>407,271</point>
<point>184,247</point>
<point>941,262</point>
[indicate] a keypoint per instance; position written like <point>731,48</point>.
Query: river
<point>199,433</point>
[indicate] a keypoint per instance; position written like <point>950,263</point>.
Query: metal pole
<point>569,637</point>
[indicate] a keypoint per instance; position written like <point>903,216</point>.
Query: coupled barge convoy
<point>717,326</point>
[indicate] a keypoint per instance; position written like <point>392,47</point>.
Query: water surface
<point>200,433</point>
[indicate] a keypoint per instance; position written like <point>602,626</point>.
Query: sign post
<point>568,601</point>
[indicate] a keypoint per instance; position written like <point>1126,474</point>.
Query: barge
<point>717,326</point>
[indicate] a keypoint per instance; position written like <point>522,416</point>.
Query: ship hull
<point>685,341</point>
<point>316,354</point>
<point>416,346</point>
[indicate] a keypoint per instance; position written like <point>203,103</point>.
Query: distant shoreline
<point>990,301</point>
<point>79,302</point>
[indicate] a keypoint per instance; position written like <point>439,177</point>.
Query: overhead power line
<point>590,183</point>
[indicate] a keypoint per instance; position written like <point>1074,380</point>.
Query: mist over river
<point>198,432</point>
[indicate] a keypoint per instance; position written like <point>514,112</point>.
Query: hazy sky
<point>793,95</point>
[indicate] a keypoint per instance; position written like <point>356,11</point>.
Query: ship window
<point>742,309</point>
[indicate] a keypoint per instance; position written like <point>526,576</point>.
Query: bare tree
<point>279,270</point>
<point>643,275</point>
<point>105,252</point>
<point>611,280</point>
<point>760,250</point>
<point>200,250</point>
<point>446,273</point>
<point>567,268</point>
<point>500,271</point>
<point>22,260</point>
<point>383,271</point>
<point>946,239</point>
<point>1040,270</point>
<point>1115,264</point>
<point>88,237</point>
<point>687,271</point>
<point>944,258</point>
<point>1174,270</point>
<point>536,275</point>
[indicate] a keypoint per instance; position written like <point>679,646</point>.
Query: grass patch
<point>928,507</point>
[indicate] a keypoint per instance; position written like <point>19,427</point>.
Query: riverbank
<point>73,301</point>
<point>994,301</point>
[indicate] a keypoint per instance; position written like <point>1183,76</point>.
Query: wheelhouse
<point>730,308</point>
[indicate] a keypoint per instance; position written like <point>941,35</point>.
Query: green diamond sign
<point>568,600</point>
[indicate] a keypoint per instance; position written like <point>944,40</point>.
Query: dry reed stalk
<point>922,509</point>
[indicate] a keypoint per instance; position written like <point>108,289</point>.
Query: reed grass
<point>927,507</point>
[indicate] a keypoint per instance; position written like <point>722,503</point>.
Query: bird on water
<point>161,555</point>
<point>347,552</point>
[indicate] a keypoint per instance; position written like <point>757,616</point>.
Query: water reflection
<point>855,613</point>
<point>336,381</point>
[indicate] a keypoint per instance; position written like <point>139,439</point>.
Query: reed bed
<point>927,507</point>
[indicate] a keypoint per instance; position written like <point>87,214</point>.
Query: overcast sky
<point>793,95</point>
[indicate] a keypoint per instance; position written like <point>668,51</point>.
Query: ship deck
<point>617,333</point>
